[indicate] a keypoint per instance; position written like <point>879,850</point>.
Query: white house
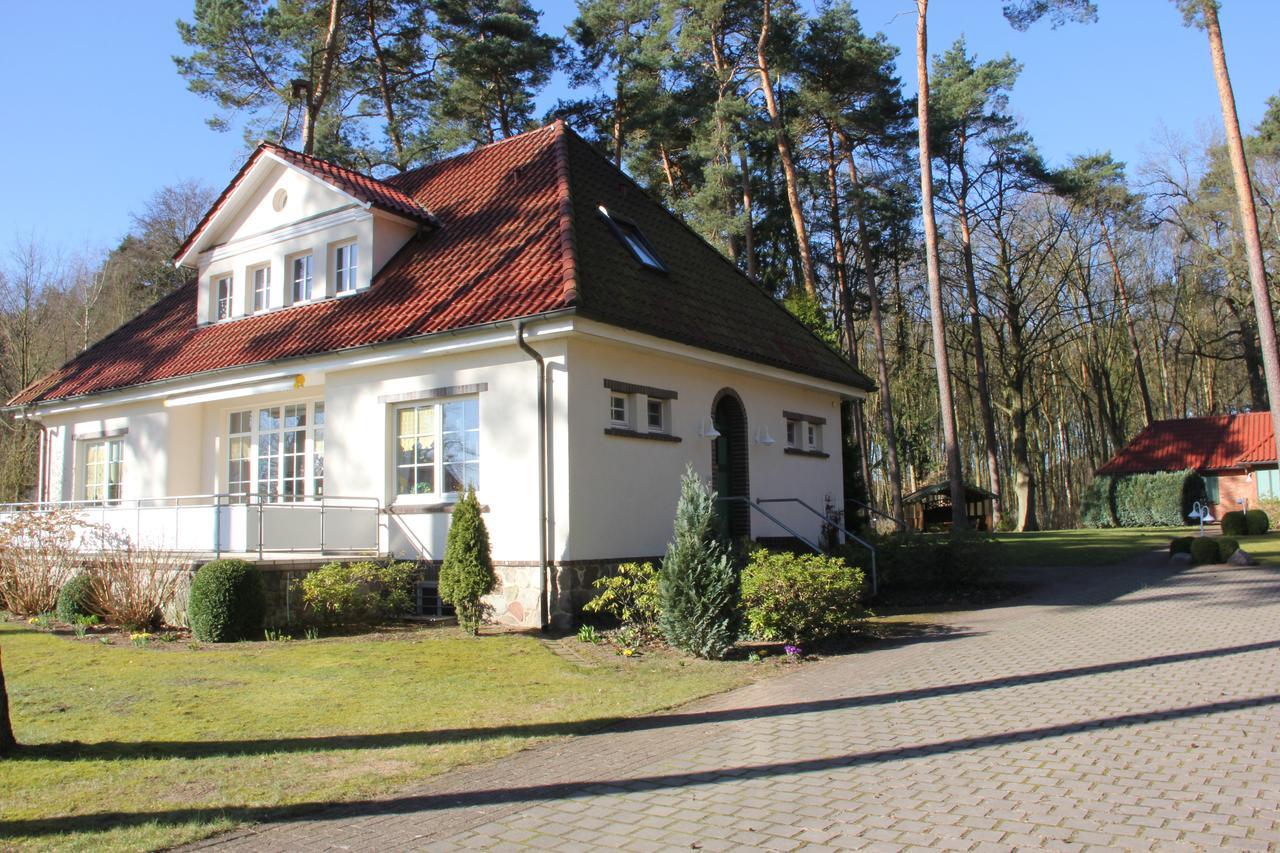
<point>521,318</point>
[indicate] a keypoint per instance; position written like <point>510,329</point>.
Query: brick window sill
<point>648,436</point>
<point>813,454</point>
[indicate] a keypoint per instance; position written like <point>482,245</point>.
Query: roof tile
<point>1214,443</point>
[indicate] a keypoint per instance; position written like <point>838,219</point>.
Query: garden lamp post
<point>1201,513</point>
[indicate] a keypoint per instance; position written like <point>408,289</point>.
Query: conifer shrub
<point>1180,545</point>
<point>1204,549</point>
<point>801,598</point>
<point>1256,522</point>
<point>1234,523</point>
<point>75,599</point>
<point>467,575</point>
<point>1227,545</point>
<point>698,583</point>
<point>228,602</point>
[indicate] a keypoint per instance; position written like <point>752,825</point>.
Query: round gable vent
<point>280,199</point>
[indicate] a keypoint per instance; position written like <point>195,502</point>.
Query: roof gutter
<point>544,484</point>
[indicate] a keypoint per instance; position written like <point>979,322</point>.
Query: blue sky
<point>99,118</point>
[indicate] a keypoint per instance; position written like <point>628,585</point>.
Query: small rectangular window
<point>793,433</point>
<point>618,410</point>
<point>345,269</point>
<point>631,236</point>
<point>813,437</point>
<point>224,297</point>
<point>262,288</point>
<point>302,279</point>
<point>657,415</point>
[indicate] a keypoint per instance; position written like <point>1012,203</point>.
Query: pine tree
<point>466,575</point>
<point>698,583</point>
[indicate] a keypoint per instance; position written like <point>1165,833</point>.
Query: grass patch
<point>143,747</point>
<point>1083,547</point>
<point>1265,548</point>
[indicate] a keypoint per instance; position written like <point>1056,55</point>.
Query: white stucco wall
<point>623,491</point>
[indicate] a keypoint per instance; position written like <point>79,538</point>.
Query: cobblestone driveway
<point>1138,710</point>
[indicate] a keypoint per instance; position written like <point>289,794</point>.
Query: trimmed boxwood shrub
<point>1235,524</point>
<point>1181,545</point>
<point>1140,500</point>
<point>228,602</point>
<point>801,598</point>
<point>1227,545</point>
<point>1204,549</point>
<point>1256,522</point>
<point>74,599</point>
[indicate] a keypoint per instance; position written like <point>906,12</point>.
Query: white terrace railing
<point>220,524</point>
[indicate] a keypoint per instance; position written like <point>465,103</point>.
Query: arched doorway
<point>730,475</point>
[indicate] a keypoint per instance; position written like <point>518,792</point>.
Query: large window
<point>224,297</point>
<point>274,452</point>
<point>345,268</point>
<point>103,470</point>
<point>437,448</point>
<point>262,288</point>
<point>302,279</point>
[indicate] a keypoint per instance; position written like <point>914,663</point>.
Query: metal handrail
<point>875,581</point>
<point>741,499</point>
<point>217,502</point>
<point>875,511</point>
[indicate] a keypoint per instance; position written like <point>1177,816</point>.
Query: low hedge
<point>1162,499</point>
<point>1180,545</point>
<point>918,567</point>
<point>228,602</point>
<point>1204,549</point>
<point>1256,522</point>
<point>1234,523</point>
<point>75,600</point>
<point>1227,545</point>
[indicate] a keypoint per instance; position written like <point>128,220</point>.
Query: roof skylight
<point>631,236</point>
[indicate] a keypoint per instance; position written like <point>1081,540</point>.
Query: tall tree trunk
<point>8,743</point>
<point>1129,324</point>
<point>877,329</point>
<point>748,225</point>
<point>1249,353</point>
<point>320,93</point>
<point>784,153</point>
<point>1024,478</point>
<point>979,349</point>
<point>959,517</point>
<point>1248,217</point>
<point>384,89</point>
<point>837,243</point>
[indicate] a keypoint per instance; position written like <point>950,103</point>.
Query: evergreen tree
<point>698,583</point>
<point>495,61</point>
<point>466,575</point>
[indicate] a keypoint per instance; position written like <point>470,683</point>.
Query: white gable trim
<point>248,184</point>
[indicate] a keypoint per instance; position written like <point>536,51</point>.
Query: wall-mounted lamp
<point>763,437</point>
<point>707,429</point>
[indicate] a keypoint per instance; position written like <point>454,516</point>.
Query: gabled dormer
<point>291,230</point>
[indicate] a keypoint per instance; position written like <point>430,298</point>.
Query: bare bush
<point>132,584</point>
<point>38,555</point>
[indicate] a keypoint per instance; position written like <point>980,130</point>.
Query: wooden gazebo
<point>930,508</point>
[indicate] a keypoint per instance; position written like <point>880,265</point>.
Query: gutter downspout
<point>543,482</point>
<point>42,464</point>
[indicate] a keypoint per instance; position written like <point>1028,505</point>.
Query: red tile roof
<point>518,235</point>
<point>1215,443</point>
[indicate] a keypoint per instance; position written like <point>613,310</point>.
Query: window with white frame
<point>103,470</point>
<point>437,448</point>
<point>262,288</point>
<point>302,278</point>
<point>274,452</point>
<point>225,294</point>
<point>793,433</point>
<point>619,415</point>
<point>656,412</point>
<point>812,436</point>
<point>344,262</point>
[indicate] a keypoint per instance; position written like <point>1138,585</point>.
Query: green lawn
<point>139,748</point>
<point>1084,547</point>
<point>1265,548</point>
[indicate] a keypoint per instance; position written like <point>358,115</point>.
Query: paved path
<point>1136,709</point>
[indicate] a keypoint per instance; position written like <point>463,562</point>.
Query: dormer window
<point>262,288</point>
<point>224,297</point>
<point>631,236</point>
<point>302,279</point>
<point>345,269</point>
